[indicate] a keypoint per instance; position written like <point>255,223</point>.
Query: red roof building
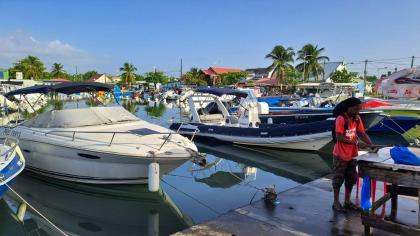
<point>212,73</point>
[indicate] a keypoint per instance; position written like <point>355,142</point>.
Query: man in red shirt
<point>348,129</point>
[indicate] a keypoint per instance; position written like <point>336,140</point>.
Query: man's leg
<point>337,181</point>
<point>350,180</point>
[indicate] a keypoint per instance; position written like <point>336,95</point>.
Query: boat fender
<point>153,174</point>
<point>270,121</point>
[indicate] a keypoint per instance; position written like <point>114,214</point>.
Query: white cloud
<point>20,44</point>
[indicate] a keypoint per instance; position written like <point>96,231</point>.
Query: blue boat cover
<point>66,88</point>
<point>402,155</point>
<point>221,91</point>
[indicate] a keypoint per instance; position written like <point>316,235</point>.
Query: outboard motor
<point>249,117</point>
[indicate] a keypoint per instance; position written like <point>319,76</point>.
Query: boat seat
<point>211,118</point>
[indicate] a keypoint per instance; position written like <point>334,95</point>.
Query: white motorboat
<point>214,121</point>
<point>101,145</point>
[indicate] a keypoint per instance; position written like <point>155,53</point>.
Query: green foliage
<point>46,75</point>
<point>311,58</point>
<point>371,78</point>
<point>342,76</point>
<point>78,77</point>
<point>156,77</point>
<point>172,79</point>
<point>58,71</point>
<point>31,67</point>
<point>86,76</point>
<point>282,59</point>
<point>129,73</point>
<point>250,82</point>
<point>155,110</point>
<point>231,78</point>
<point>194,77</point>
<point>293,76</point>
<point>130,105</point>
<point>139,77</point>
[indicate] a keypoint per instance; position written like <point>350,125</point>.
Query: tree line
<point>33,68</point>
<point>309,56</point>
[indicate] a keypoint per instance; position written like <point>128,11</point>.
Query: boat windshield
<point>72,118</point>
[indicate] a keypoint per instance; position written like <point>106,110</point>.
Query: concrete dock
<point>304,210</point>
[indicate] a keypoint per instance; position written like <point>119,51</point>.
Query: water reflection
<point>130,105</point>
<point>91,209</point>
<point>229,178</point>
<point>155,109</point>
<point>301,167</point>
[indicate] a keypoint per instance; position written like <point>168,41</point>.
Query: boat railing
<point>74,132</point>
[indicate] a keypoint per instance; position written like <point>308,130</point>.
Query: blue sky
<point>102,35</point>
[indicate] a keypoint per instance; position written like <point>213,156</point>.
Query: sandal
<point>338,208</point>
<point>351,206</point>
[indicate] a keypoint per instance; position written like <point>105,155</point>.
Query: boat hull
<point>369,118</point>
<point>86,166</point>
<point>10,169</point>
<point>308,137</point>
<point>399,124</point>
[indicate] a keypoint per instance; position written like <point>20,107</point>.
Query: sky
<point>102,35</point>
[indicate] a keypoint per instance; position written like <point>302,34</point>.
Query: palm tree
<point>31,67</point>
<point>129,73</point>
<point>311,57</point>
<point>57,70</point>
<point>282,59</point>
<point>193,77</point>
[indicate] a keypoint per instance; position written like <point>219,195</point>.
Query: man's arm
<point>340,138</point>
<point>365,138</point>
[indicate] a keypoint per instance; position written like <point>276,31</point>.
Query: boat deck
<point>304,210</point>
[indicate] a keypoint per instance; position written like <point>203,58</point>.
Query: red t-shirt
<point>347,151</point>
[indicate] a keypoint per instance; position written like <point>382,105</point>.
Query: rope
<point>39,213</point>
<point>400,127</point>
<point>186,194</point>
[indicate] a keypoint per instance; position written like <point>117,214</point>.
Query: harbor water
<point>235,176</point>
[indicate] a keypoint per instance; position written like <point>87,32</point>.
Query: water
<point>189,194</point>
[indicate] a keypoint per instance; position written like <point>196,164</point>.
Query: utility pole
<point>304,65</point>
<point>77,76</point>
<point>364,76</point>
<point>180,73</point>
<point>412,61</point>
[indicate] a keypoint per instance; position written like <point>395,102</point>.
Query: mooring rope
<point>400,128</point>
<point>188,195</point>
<point>39,213</point>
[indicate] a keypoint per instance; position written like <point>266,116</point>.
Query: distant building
<point>4,74</point>
<point>100,78</point>
<point>212,74</point>
<point>257,73</point>
<point>329,69</point>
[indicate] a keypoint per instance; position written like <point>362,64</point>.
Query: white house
<point>100,78</point>
<point>329,69</point>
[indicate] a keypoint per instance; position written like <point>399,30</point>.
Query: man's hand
<point>363,145</point>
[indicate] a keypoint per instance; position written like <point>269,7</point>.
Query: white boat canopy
<point>72,118</point>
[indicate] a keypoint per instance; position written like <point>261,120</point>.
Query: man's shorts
<point>344,171</point>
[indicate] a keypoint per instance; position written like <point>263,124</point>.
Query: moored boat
<point>101,145</point>
<point>12,161</point>
<point>219,124</point>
